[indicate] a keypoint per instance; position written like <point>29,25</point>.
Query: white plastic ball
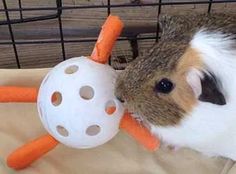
<point>73,101</point>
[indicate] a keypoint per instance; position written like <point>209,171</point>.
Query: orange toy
<point>28,153</point>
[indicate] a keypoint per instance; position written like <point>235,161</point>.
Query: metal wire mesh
<point>60,8</point>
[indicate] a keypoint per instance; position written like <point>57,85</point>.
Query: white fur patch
<point>218,52</point>
<point>208,41</point>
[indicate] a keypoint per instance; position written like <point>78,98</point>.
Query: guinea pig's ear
<point>205,87</point>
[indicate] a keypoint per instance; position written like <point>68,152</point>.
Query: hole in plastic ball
<point>56,98</point>
<point>110,107</point>
<point>71,69</point>
<point>93,130</point>
<point>86,92</point>
<point>62,131</point>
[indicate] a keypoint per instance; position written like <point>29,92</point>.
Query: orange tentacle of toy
<point>18,94</point>
<point>139,132</point>
<point>111,29</point>
<point>25,155</point>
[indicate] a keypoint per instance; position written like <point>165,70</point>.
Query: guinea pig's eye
<point>164,86</point>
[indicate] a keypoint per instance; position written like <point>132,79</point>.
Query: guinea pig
<point>185,86</point>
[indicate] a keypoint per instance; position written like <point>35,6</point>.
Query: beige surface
<point>20,123</point>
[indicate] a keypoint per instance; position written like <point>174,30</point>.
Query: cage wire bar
<point>59,8</point>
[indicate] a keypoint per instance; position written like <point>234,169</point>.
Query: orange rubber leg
<point>28,153</point>
<point>111,30</point>
<point>18,94</point>
<point>139,132</point>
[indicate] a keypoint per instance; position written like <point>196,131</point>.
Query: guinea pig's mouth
<point>141,120</point>
<point>133,112</point>
<point>128,108</point>
<point>127,105</point>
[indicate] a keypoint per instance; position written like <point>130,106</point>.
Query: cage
<point>36,34</point>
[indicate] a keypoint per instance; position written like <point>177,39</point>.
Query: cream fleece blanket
<point>19,123</point>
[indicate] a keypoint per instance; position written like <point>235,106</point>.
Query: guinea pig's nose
<point>120,99</point>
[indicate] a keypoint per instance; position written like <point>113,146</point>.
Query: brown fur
<point>170,58</point>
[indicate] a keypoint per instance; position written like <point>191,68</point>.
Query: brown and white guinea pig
<point>185,87</point>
